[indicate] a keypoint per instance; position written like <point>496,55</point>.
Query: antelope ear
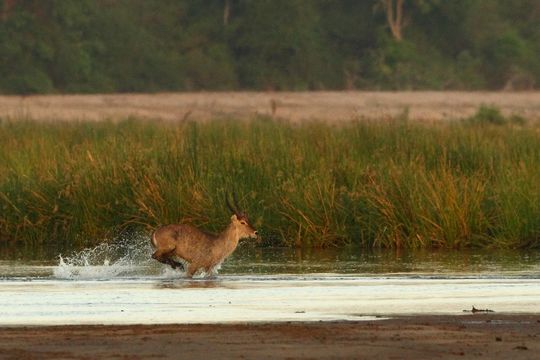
<point>234,218</point>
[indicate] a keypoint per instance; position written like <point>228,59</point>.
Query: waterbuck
<point>199,249</point>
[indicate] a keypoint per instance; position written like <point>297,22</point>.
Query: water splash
<point>125,257</point>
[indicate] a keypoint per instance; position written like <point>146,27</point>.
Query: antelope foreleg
<point>191,270</point>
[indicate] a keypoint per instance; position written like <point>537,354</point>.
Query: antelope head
<point>240,220</point>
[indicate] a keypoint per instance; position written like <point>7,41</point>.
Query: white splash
<point>126,257</point>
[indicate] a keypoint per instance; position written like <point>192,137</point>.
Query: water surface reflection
<point>130,258</point>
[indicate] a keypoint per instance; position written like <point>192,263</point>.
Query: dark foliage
<point>66,46</point>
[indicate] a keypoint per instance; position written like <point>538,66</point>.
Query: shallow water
<point>119,284</point>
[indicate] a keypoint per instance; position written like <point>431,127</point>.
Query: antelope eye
<point>243,223</point>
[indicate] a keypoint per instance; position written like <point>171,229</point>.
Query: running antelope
<point>201,250</point>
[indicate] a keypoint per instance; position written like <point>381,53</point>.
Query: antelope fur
<point>199,249</point>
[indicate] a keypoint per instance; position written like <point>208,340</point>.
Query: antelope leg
<point>165,258</point>
<point>175,264</point>
<point>191,270</point>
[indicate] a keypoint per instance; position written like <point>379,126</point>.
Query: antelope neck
<point>230,237</point>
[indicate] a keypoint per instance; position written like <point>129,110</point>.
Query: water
<point>119,283</point>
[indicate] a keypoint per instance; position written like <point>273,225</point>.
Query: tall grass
<point>376,184</point>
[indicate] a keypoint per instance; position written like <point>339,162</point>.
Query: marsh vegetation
<point>391,183</point>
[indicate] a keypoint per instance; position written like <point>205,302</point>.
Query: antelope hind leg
<point>159,257</point>
<point>175,264</point>
<point>165,258</point>
<point>169,260</point>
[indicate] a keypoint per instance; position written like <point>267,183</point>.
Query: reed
<point>372,183</point>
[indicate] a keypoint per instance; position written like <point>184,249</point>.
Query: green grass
<point>375,184</point>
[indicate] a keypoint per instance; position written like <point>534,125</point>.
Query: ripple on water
<point>119,283</point>
<point>130,258</point>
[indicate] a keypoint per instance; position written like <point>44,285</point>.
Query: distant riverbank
<point>324,105</point>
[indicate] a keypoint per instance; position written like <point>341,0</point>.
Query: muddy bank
<point>326,105</point>
<point>490,336</point>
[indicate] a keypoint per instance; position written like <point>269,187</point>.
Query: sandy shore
<point>326,105</point>
<point>489,336</point>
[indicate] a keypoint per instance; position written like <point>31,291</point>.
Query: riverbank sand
<point>489,336</point>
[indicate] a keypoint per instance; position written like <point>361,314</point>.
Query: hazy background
<point>89,46</point>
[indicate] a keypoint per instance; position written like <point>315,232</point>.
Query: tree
<point>226,12</point>
<point>276,44</point>
<point>395,21</point>
<point>173,45</point>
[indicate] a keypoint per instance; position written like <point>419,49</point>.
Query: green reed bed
<point>372,183</point>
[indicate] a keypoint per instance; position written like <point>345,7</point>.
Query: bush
<point>488,115</point>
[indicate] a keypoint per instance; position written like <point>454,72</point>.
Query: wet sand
<point>489,336</point>
<point>324,105</point>
<point>249,299</point>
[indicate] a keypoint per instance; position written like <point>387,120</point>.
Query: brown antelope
<point>201,250</point>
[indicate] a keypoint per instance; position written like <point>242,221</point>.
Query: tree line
<point>88,46</point>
